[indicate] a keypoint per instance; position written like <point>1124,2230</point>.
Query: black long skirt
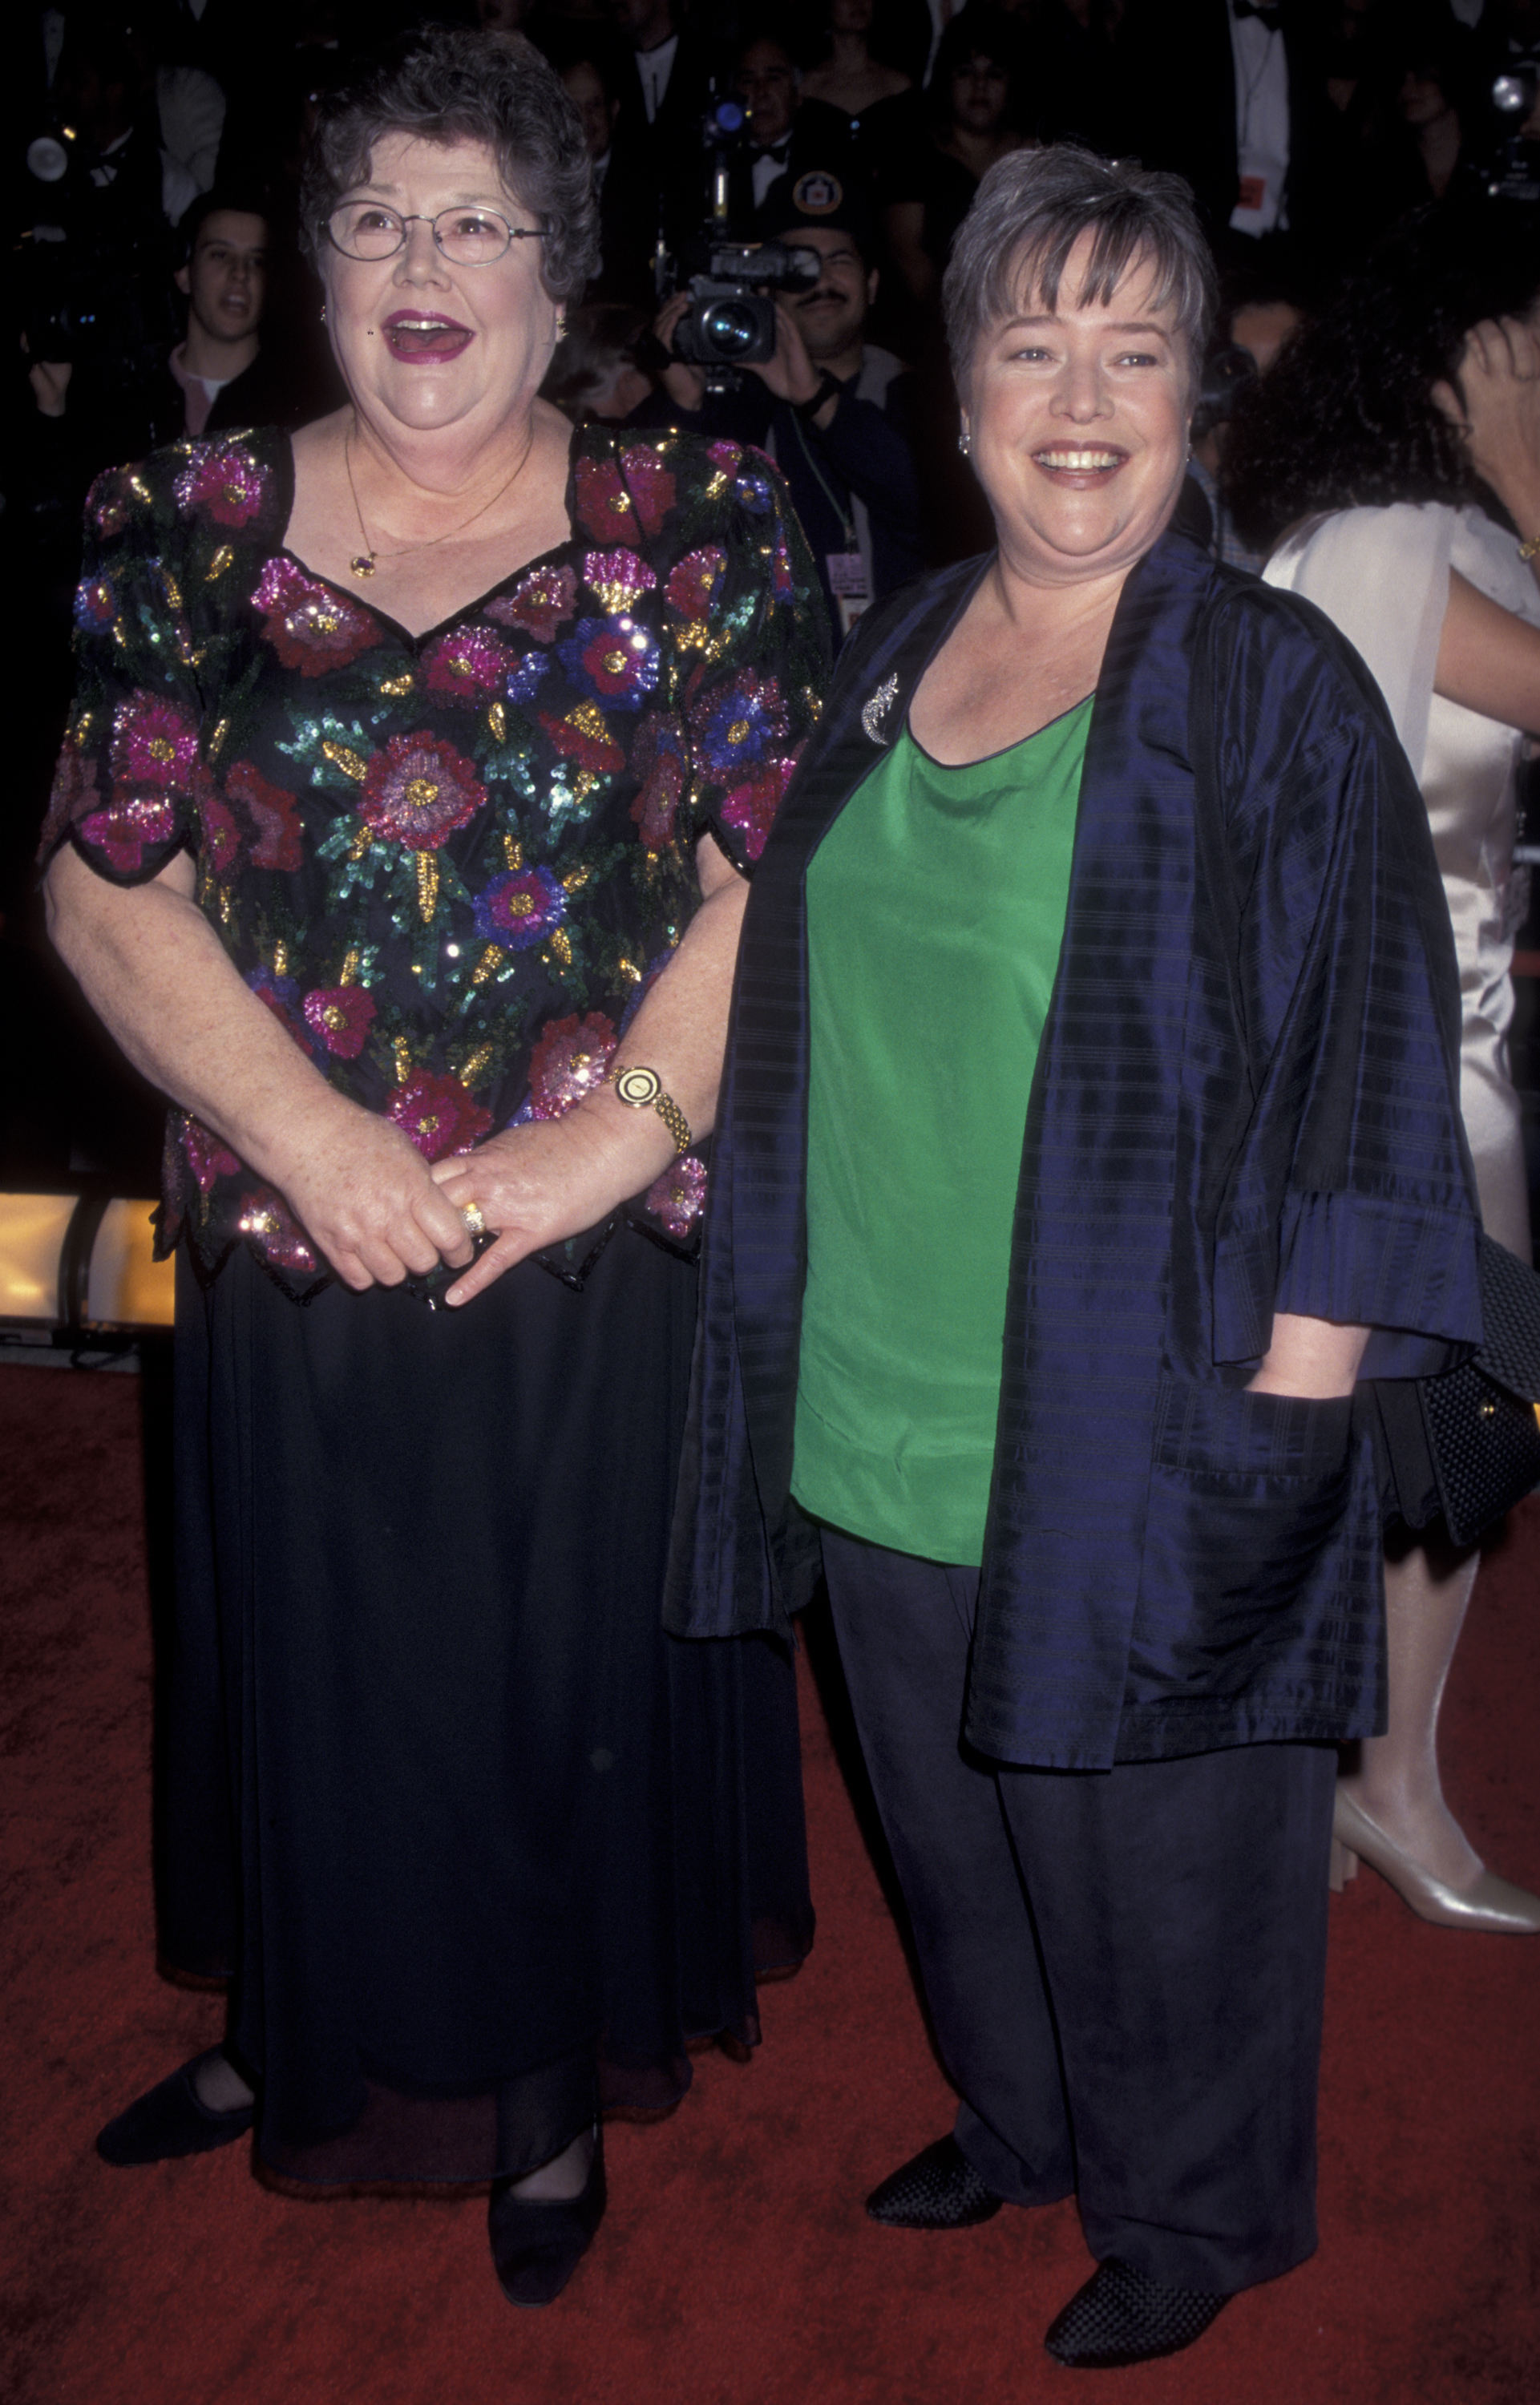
<point>482,1849</point>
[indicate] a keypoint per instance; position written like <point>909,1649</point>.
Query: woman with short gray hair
<point>400,835</point>
<point>1090,1128</point>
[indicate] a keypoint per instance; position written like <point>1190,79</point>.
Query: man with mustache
<point>828,407</point>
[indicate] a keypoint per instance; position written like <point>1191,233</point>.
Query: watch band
<point>642,1089</point>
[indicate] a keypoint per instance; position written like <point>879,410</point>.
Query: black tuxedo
<point>1178,110</point>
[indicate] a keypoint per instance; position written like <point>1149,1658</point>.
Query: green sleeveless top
<point>936,911</point>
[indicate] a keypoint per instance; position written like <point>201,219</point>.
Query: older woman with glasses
<point>1090,1128</point>
<point>400,835</point>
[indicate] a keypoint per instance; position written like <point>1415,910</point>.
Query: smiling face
<point>1078,419</point>
<point>424,341</point>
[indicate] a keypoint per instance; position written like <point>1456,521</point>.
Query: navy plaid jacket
<point>1245,1099</point>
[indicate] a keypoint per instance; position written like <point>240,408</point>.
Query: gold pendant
<point>362,563</point>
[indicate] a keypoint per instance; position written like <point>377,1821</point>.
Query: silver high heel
<point>1492,1903</point>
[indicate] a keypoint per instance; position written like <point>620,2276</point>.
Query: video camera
<point>93,268</point>
<point>731,318</point>
<point>730,321</point>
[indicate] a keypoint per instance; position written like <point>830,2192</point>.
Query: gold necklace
<point>362,562</point>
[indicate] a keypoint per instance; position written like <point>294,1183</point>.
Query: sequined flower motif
<point>617,577</point>
<point>568,1061</point>
<point>753,488</point>
<point>437,1114</point>
<point>153,742</point>
<point>652,485</point>
<point>520,909</point>
<point>583,736</point>
<point>224,481</point>
<point>660,757</point>
<point>124,831</point>
<point>752,808</point>
<point>309,626</point>
<point>339,1017</point>
<point>73,795</point>
<point>206,1157</point>
<point>419,790</point>
<point>725,455</point>
<point>523,677</point>
<point>678,1198</point>
<point>469,665</point>
<point>612,658</point>
<point>108,502</point>
<point>783,582</point>
<point>279,841</point>
<point>96,604</point>
<point>692,587</point>
<point>540,604</point>
<point>281,995</point>
<point>264,1219</point>
<point>221,844</point>
<point>735,724</point>
<point>603,504</point>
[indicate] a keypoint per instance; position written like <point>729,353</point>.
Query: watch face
<point>639,1087</point>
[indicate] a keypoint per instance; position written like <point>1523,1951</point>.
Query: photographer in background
<point>827,406</point>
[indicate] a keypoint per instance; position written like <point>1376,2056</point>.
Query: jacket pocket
<point>1245,1554</point>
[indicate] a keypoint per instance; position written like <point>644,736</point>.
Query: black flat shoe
<point>538,2243</point>
<point>1122,2315</point>
<point>171,2120</point>
<point>939,2190</point>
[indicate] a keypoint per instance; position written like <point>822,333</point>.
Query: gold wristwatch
<point>642,1089</point>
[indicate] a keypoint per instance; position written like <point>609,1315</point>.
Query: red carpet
<point>736,2267</point>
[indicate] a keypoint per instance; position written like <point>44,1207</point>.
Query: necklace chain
<point>362,563</point>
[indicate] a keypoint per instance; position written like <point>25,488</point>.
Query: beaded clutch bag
<point>1468,1447</point>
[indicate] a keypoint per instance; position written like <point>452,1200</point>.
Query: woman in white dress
<point>1398,446</point>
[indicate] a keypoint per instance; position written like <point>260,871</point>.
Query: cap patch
<point>818,194</point>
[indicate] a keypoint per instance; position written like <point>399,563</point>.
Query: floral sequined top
<point>448,864</point>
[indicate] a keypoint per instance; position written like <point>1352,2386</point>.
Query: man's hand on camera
<point>684,386</point>
<point>789,372</point>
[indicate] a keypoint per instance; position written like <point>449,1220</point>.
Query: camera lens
<point>47,159</point>
<point>730,327</point>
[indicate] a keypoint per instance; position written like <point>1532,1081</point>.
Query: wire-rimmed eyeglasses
<point>467,237</point>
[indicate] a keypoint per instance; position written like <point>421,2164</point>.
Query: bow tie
<point>777,149</point>
<point>1264,11</point>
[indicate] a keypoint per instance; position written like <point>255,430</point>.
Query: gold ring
<point>471,1213</point>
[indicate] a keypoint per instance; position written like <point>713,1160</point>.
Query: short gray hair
<point>452,84</point>
<point>1030,210</point>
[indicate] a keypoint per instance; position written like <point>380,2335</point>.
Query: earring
<point>561,324</point>
<point>323,313</point>
<point>965,442</point>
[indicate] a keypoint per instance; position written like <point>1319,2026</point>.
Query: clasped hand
<point>380,1213</point>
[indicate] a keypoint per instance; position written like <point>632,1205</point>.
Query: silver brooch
<point>874,710</point>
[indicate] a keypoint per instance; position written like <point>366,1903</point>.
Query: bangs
<point>1031,275</point>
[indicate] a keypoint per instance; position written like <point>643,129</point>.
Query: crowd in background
<point>154,165</point>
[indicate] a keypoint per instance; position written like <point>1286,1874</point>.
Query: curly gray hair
<point>1030,210</point>
<point>451,85</point>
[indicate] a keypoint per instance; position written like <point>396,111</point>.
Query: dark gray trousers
<point>1124,1968</point>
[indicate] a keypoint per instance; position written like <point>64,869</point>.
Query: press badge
<point>847,580</point>
<point>1252,192</point>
